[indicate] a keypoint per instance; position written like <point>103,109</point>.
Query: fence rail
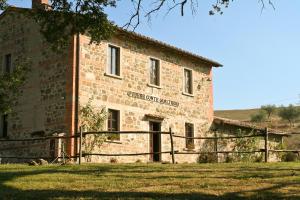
<point>82,135</point>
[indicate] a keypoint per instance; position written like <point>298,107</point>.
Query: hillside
<point>243,114</point>
<point>275,122</point>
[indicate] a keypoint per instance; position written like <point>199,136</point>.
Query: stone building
<point>143,84</point>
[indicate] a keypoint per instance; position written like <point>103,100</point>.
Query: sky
<point>259,50</point>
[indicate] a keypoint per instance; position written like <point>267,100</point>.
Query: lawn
<point>152,181</point>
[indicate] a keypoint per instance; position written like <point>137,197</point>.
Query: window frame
<point>118,138</point>
<point>158,85</point>
<point>189,143</point>
<point>3,117</point>
<point>191,94</point>
<point>4,68</point>
<point>108,65</point>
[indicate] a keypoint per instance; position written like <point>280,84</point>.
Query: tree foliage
<point>10,84</point>
<point>92,119</point>
<point>290,113</point>
<point>259,117</point>
<point>65,18</point>
<point>269,109</point>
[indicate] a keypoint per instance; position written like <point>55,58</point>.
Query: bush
<point>207,158</point>
<point>229,159</point>
<point>113,160</point>
<point>289,157</point>
<point>259,117</point>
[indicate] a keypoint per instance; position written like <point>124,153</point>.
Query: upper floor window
<point>189,132</point>
<point>188,81</point>
<point>114,60</point>
<point>7,63</point>
<point>154,72</point>
<point>3,126</point>
<point>113,123</point>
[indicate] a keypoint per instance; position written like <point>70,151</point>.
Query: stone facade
<point>115,93</point>
<point>43,103</point>
<point>48,101</point>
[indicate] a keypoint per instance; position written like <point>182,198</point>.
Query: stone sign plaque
<point>152,98</point>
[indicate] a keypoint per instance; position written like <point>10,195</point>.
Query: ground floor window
<point>189,132</point>
<point>4,126</point>
<point>113,123</point>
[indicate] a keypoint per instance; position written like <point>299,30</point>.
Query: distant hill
<point>243,115</point>
<point>275,122</point>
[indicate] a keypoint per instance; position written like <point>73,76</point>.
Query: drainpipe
<point>77,72</point>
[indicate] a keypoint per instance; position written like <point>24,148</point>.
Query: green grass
<point>233,181</point>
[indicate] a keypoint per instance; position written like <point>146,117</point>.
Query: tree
<point>269,109</point>
<point>10,84</point>
<point>63,19</point>
<point>290,113</point>
<point>259,117</point>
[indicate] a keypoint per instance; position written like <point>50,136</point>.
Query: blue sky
<point>259,51</point>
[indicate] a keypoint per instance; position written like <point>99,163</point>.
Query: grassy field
<point>152,181</point>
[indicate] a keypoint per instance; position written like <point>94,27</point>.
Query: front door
<point>155,141</point>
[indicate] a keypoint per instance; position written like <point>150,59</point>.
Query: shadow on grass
<point>7,192</point>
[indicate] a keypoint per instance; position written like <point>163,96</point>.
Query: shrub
<point>259,117</point>
<point>207,158</point>
<point>289,157</point>
<point>113,160</point>
<point>229,159</point>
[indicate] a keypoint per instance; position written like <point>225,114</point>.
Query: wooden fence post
<point>216,146</point>
<point>80,145</point>
<point>266,144</point>
<point>172,145</point>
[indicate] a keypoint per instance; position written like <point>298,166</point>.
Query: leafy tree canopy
<point>269,109</point>
<point>290,113</point>
<point>10,84</point>
<point>89,17</point>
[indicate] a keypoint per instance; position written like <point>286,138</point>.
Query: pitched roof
<point>220,120</point>
<point>148,40</point>
<point>169,47</point>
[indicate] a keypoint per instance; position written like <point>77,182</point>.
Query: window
<point>188,81</point>
<point>113,123</point>
<point>7,63</point>
<point>4,126</point>
<point>189,132</point>
<point>154,72</point>
<point>113,60</point>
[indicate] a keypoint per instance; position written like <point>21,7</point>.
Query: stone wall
<point>111,92</point>
<point>274,142</point>
<point>43,103</point>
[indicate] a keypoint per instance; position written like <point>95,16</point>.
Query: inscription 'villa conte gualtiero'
<point>152,98</point>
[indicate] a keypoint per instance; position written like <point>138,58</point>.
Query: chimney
<point>40,4</point>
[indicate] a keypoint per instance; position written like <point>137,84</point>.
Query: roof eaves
<point>168,46</point>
